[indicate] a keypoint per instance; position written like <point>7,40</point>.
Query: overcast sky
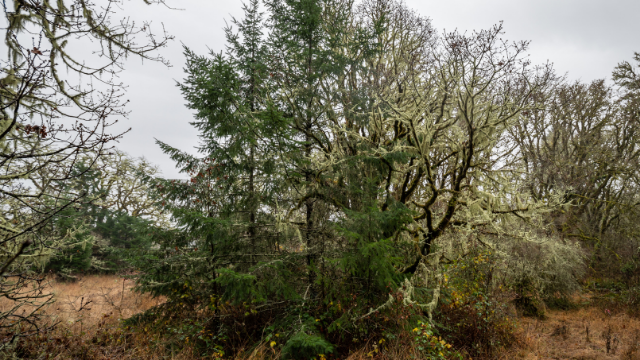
<point>583,38</point>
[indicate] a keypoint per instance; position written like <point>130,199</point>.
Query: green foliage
<point>353,168</point>
<point>238,286</point>
<point>124,231</point>
<point>76,254</point>
<point>97,238</point>
<point>528,298</point>
<point>304,346</point>
<point>432,347</point>
<point>370,257</point>
<point>560,303</point>
<point>472,315</point>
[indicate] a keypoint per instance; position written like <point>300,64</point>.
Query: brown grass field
<point>82,304</point>
<point>89,309</point>
<point>85,310</point>
<point>585,334</point>
<point>100,296</point>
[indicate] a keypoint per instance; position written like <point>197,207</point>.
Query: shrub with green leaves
<point>472,315</point>
<point>98,237</point>
<point>433,347</point>
<point>75,250</point>
<point>304,346</point>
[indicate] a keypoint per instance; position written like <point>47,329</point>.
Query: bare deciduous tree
<point>59,93</point>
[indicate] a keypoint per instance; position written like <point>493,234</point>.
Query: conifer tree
<point>226,209</point>
<point>297,33</point>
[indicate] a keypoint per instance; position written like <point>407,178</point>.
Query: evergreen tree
<point>224,210</point>
<point>296,41</point>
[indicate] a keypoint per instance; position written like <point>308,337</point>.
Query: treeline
<point>364,179</point>
<point>112,222</point>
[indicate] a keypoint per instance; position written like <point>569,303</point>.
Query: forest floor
<point>588,332</point>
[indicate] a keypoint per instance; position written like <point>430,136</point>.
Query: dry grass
<point>87,311</point>
<point>87,301</point>
<point>587,333</point>
<point>83,304</point>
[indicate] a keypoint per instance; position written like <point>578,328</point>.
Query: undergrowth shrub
<point>74,256</point>
<point>305,346</point>
<point>432,346</point>
<point>472,317</point>
<point>215,331</point>
<point>613,295</point>
<point>560,302</point>
<point>108,340</point>
<point>296,330</point>
<point>632,298</point>
<point>540,268</point>
<point>527,299</point>
<point>533,268</point>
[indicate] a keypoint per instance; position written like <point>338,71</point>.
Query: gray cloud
<point>157,107</point>
<point>585,39</point>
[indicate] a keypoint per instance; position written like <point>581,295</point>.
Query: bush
<point>530,306</point>
<point>304,346</point>
<point>432,346</point>
<point>478,325</point>
<point>560,303</point>
<point>527,300</point>
<point>471,316</point>
<point>74,258</point>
